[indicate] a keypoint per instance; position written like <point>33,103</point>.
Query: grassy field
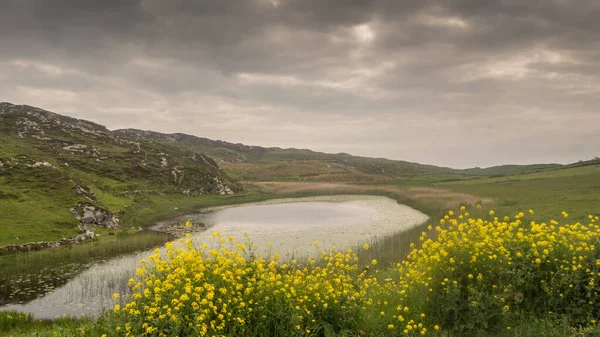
<point>576,191</point>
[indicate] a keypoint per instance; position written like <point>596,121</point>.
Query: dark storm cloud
<point>381,78</point>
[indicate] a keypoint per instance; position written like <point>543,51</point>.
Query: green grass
<point>111,201</point>
<point>35,206</point>
<point>71,326</point>
<point>549,174</point>
<point>576,191</point>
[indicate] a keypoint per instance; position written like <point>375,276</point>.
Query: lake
<point>285,226</point>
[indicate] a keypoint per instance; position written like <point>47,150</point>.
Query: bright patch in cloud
<point>364,33</point>
<point>444,21</point>
<point>45,68</point>
<point>147,63</point>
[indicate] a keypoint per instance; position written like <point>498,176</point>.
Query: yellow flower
<point>366,246</point>
<point>116,296</point>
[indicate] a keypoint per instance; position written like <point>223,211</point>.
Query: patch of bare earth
<point>445,197</point>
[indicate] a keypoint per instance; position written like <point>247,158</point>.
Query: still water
<point>286,226</point>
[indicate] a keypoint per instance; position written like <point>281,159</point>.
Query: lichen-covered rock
<point>221,188</point>
<point>91,215</point>
<point>178,174</point>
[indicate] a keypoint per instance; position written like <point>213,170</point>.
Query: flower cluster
<point>472,272</point>
<point>466,274</point>
<point>226,291</point>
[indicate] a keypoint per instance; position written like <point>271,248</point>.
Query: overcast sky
<point>453,83</point>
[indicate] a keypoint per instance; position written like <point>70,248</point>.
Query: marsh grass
<point>26,276</point>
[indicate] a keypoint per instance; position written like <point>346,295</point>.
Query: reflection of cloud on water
<point>291,225</point>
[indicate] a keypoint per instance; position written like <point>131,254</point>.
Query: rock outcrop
<point>91,215</point>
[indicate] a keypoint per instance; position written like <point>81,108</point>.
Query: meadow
<point>511,272</point>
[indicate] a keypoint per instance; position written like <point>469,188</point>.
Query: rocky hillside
<point>60,175</point>
<point>240,153</point>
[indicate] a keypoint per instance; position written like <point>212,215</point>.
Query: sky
<point>458,83</point>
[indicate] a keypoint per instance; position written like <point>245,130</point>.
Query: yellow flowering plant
<point>467,274</point>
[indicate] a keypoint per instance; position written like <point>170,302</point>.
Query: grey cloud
<point>299,73</point>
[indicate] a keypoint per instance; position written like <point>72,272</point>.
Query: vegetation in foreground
<point>489,275</point>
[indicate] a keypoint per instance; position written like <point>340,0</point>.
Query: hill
<point>58,172</point>
<point>255,162</point>
<point>247,162</point>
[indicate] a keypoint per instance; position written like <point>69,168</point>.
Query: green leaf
<point>328,329</point>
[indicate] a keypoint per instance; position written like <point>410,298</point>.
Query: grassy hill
<point>51,163</point>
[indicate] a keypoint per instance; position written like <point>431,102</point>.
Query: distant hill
<point>504,170</point>
<point>259,163</point>
<point>240,153</point>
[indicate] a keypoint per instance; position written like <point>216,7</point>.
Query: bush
<point>478,272</point>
